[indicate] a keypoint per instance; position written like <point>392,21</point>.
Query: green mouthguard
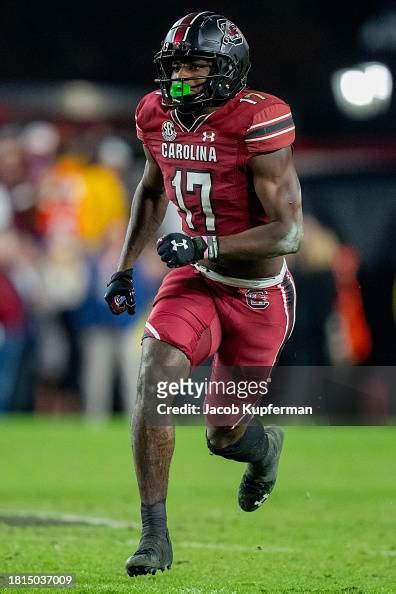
<point>179,89</point>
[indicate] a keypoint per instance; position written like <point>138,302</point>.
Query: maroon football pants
<point>243,328</point>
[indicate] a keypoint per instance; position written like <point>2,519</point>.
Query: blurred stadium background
<point>69,163</point>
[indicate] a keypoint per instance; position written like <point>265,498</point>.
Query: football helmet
<point>208,36</point>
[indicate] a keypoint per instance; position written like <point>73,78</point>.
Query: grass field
<point>330,525</point>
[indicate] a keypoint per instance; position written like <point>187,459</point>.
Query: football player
<point>222,154</point>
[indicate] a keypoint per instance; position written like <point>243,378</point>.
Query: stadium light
<point>364,91</point>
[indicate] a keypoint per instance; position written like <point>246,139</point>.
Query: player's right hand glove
<point>178,249</point>
<point>120,294</point>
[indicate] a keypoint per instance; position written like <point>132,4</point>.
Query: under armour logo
<point>183,244</point>
<point>261,501</point>
<point>208,136</point>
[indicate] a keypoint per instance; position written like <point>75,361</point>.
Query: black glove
<point>120,295</point>
<point>177,249</point>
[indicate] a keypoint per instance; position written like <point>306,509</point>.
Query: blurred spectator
<point>115,153</point>
<point>316,293</point>
<point>62,221</point>
<point>6,213</point>
<point>15,181</point>
<point>330,325</point>
<point>350,304</point>
<point>12,323</point>
<point>19,276</point>
<point>19,287</point>
<point>79,201</point>
<point>41,141</point>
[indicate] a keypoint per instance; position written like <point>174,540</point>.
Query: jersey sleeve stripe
<point>282,117</point>
<point>264,130</point>
<point>267,136</point>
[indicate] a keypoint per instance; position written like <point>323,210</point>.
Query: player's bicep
<point>152,178</point>
<point>276,185</point>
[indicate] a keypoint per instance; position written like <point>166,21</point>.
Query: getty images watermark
<point>222,397</point>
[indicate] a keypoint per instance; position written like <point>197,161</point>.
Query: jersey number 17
<point>186,183</point>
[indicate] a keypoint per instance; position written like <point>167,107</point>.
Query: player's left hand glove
<point>177,249</point>
<point>120,294</point>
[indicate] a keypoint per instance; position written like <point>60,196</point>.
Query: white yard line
<point>110,523</point>
<point>120,524</point>
<point>92,521</point>
<point>70,519</point>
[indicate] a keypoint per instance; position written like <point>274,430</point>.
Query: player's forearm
<point>147,213</point>
<point>265,241</point>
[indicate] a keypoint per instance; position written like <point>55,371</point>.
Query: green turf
<point>328,527</point>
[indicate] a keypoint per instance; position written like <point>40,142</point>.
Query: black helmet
<point>212,37</point>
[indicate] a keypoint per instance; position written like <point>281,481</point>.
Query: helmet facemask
<point>218,86</point>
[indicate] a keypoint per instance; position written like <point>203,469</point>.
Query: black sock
<point>154,518</point>
<point>252,447</point>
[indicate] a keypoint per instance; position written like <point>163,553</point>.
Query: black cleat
<point>154,552</point>
<point>260,477</point>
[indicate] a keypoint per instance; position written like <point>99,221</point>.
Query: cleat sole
<point>148,562</point>
<point>143,570</point>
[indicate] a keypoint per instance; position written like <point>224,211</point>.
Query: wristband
<point>212,251</point>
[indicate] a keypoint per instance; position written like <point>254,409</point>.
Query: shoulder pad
<point>144,111</point>
<point>270,126</point>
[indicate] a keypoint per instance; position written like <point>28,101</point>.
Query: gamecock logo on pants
<point>257,298</point>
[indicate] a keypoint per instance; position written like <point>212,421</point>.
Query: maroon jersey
<point>204,166</point>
